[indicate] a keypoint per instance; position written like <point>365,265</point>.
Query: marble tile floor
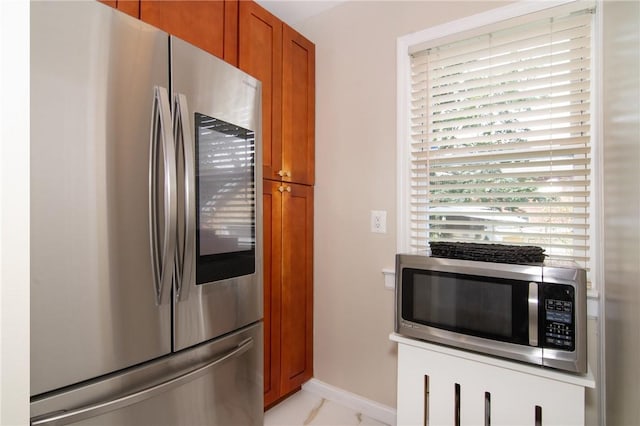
<point>305,408</point>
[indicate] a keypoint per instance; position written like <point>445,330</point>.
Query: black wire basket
<point>499,253</point>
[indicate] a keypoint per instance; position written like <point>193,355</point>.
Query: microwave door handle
<point>184,141</point>
<point>533,314</point>
<point>162,259</point>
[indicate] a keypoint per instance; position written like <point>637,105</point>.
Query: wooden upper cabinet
<point>212,25</point>
<point>130,7</point>
<point>284,61</point>
<point>260,54</point>
<point>298,107</point>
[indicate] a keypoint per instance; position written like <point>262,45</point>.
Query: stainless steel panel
<point>556,272</point>
<point>219,383</point>
<point>577,278</point>
<point>532,304</point>
<point>499,270</point>
<point>93,309</point>
<point>216,89</point>
<point>516,272</point>
<point>524,353</point>
<point>528,354</point>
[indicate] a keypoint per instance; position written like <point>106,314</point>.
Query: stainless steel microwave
<point>530,313</point>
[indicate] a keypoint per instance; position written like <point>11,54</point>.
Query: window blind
<point>500,138</point>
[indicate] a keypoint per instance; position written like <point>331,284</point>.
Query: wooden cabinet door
<point>208,24</point>
<point>298,107</point>
<point>272,231</point>
<point>288,288</point>
<point>260,54</point>
<point>296,316</point>
<point>130,7</point>
<point>284,61</point>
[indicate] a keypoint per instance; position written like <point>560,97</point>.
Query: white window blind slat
<point>580,175</point>
<point>521,34</point>
<point>532,105</point>
<point>529,116</point>
<point>535,217</point>
<point>500,184</point>
<point>569,50</point>
<point>533,74</point>
<point>491,59</point>
<point>509,99</point>
<point>472,153</point>
<point>500,138</point>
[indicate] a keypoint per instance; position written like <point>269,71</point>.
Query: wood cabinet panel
<point>260,54</point>
<point>130,7</point>
<point>212,25</point>
<point>272,230</point>
<point>285,62</point>
<point>297,287</point>
<point>288,287</point>
<point>208,24</point>
<point>298,107</point>
<point>231,12</point>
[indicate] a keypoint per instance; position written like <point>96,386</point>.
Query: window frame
<point>467,27</point>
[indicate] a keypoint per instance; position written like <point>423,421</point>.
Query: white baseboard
<point>372,409</point>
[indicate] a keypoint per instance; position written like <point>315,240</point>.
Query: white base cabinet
<point>438,385</point>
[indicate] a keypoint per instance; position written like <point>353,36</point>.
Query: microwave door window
<point>469,305</point>
<point>226,200</point>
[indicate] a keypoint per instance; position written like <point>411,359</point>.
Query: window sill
<point>593,300</point>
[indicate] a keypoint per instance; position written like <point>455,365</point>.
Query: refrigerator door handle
<point>185,263</point>
<point>162,258</point>
<point>76,415</point>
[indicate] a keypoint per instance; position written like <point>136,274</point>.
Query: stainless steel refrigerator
<point>146,232</point>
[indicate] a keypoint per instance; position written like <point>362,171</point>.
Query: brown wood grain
<point>272,218</point>
<point>200,23</point>
<point>231,36</point>
<point>112,3</point>
<point>130,7</point>
<point>298,107</point>
<point>260,54</point>
<point>296,365</point>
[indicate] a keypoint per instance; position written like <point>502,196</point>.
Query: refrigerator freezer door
<point>93,297</point>
<point>217,384</point>
<point>220,230</point>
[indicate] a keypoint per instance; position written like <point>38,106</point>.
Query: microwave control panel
<point>559,324</point>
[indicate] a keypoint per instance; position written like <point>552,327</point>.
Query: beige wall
<point>356,173</point>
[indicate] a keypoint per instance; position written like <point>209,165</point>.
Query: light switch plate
<point>379,221</point>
